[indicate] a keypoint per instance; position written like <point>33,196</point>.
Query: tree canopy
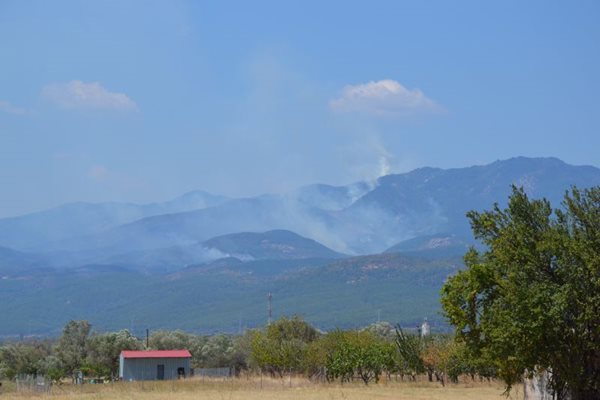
<point>531,300</point>
<point>283,344</point>
<point>71,346</point>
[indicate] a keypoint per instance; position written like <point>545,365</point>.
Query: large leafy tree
<point>71,348</point>
<point>531,301</point>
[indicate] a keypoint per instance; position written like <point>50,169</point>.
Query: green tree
<point>283,345</point>
<point>531,301</point>
<point>218,352</point>
<point>179,340</point>
<point>71,348</point>
<point>103,352</point>
<point>435,354</point>
<point>409,349</point>
<point>241,350</point>
<point>23,358</point>
<point>52,368</point>
<point>361,353</point>
<point>319,351</point>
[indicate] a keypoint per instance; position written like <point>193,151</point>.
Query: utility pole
<point>270,308</point>
<point>147,338</point>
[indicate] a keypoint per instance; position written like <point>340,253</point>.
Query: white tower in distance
<point>425,328</point>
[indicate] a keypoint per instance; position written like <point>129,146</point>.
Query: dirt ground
<point>269,389</point>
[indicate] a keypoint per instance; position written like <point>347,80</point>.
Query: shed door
<point>160,372</point>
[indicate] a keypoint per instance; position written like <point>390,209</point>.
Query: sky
<point>142,101</point>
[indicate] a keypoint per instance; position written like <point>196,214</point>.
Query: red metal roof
<point>155,354</point>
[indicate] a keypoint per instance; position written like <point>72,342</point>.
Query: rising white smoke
<point>384,166</point>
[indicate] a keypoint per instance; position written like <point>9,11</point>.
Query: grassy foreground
<point>270,389</point>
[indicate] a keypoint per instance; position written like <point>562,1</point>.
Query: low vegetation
<point>255,388</point>
<point>287,347</point>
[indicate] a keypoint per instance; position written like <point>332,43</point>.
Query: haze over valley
<point>340,256</point>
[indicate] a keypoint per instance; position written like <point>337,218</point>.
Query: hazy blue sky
<point>141,101</point>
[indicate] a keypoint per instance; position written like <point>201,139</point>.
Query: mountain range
<point>335,254</point>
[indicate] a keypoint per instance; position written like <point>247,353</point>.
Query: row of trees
<point>287,346</point>
<point>97,354</point>
<point>293,346</point>
<point>75,350</point>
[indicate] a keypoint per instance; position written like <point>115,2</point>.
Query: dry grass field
<point>269,389</point>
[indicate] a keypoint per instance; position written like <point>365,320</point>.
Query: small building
<point>148,365</point>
